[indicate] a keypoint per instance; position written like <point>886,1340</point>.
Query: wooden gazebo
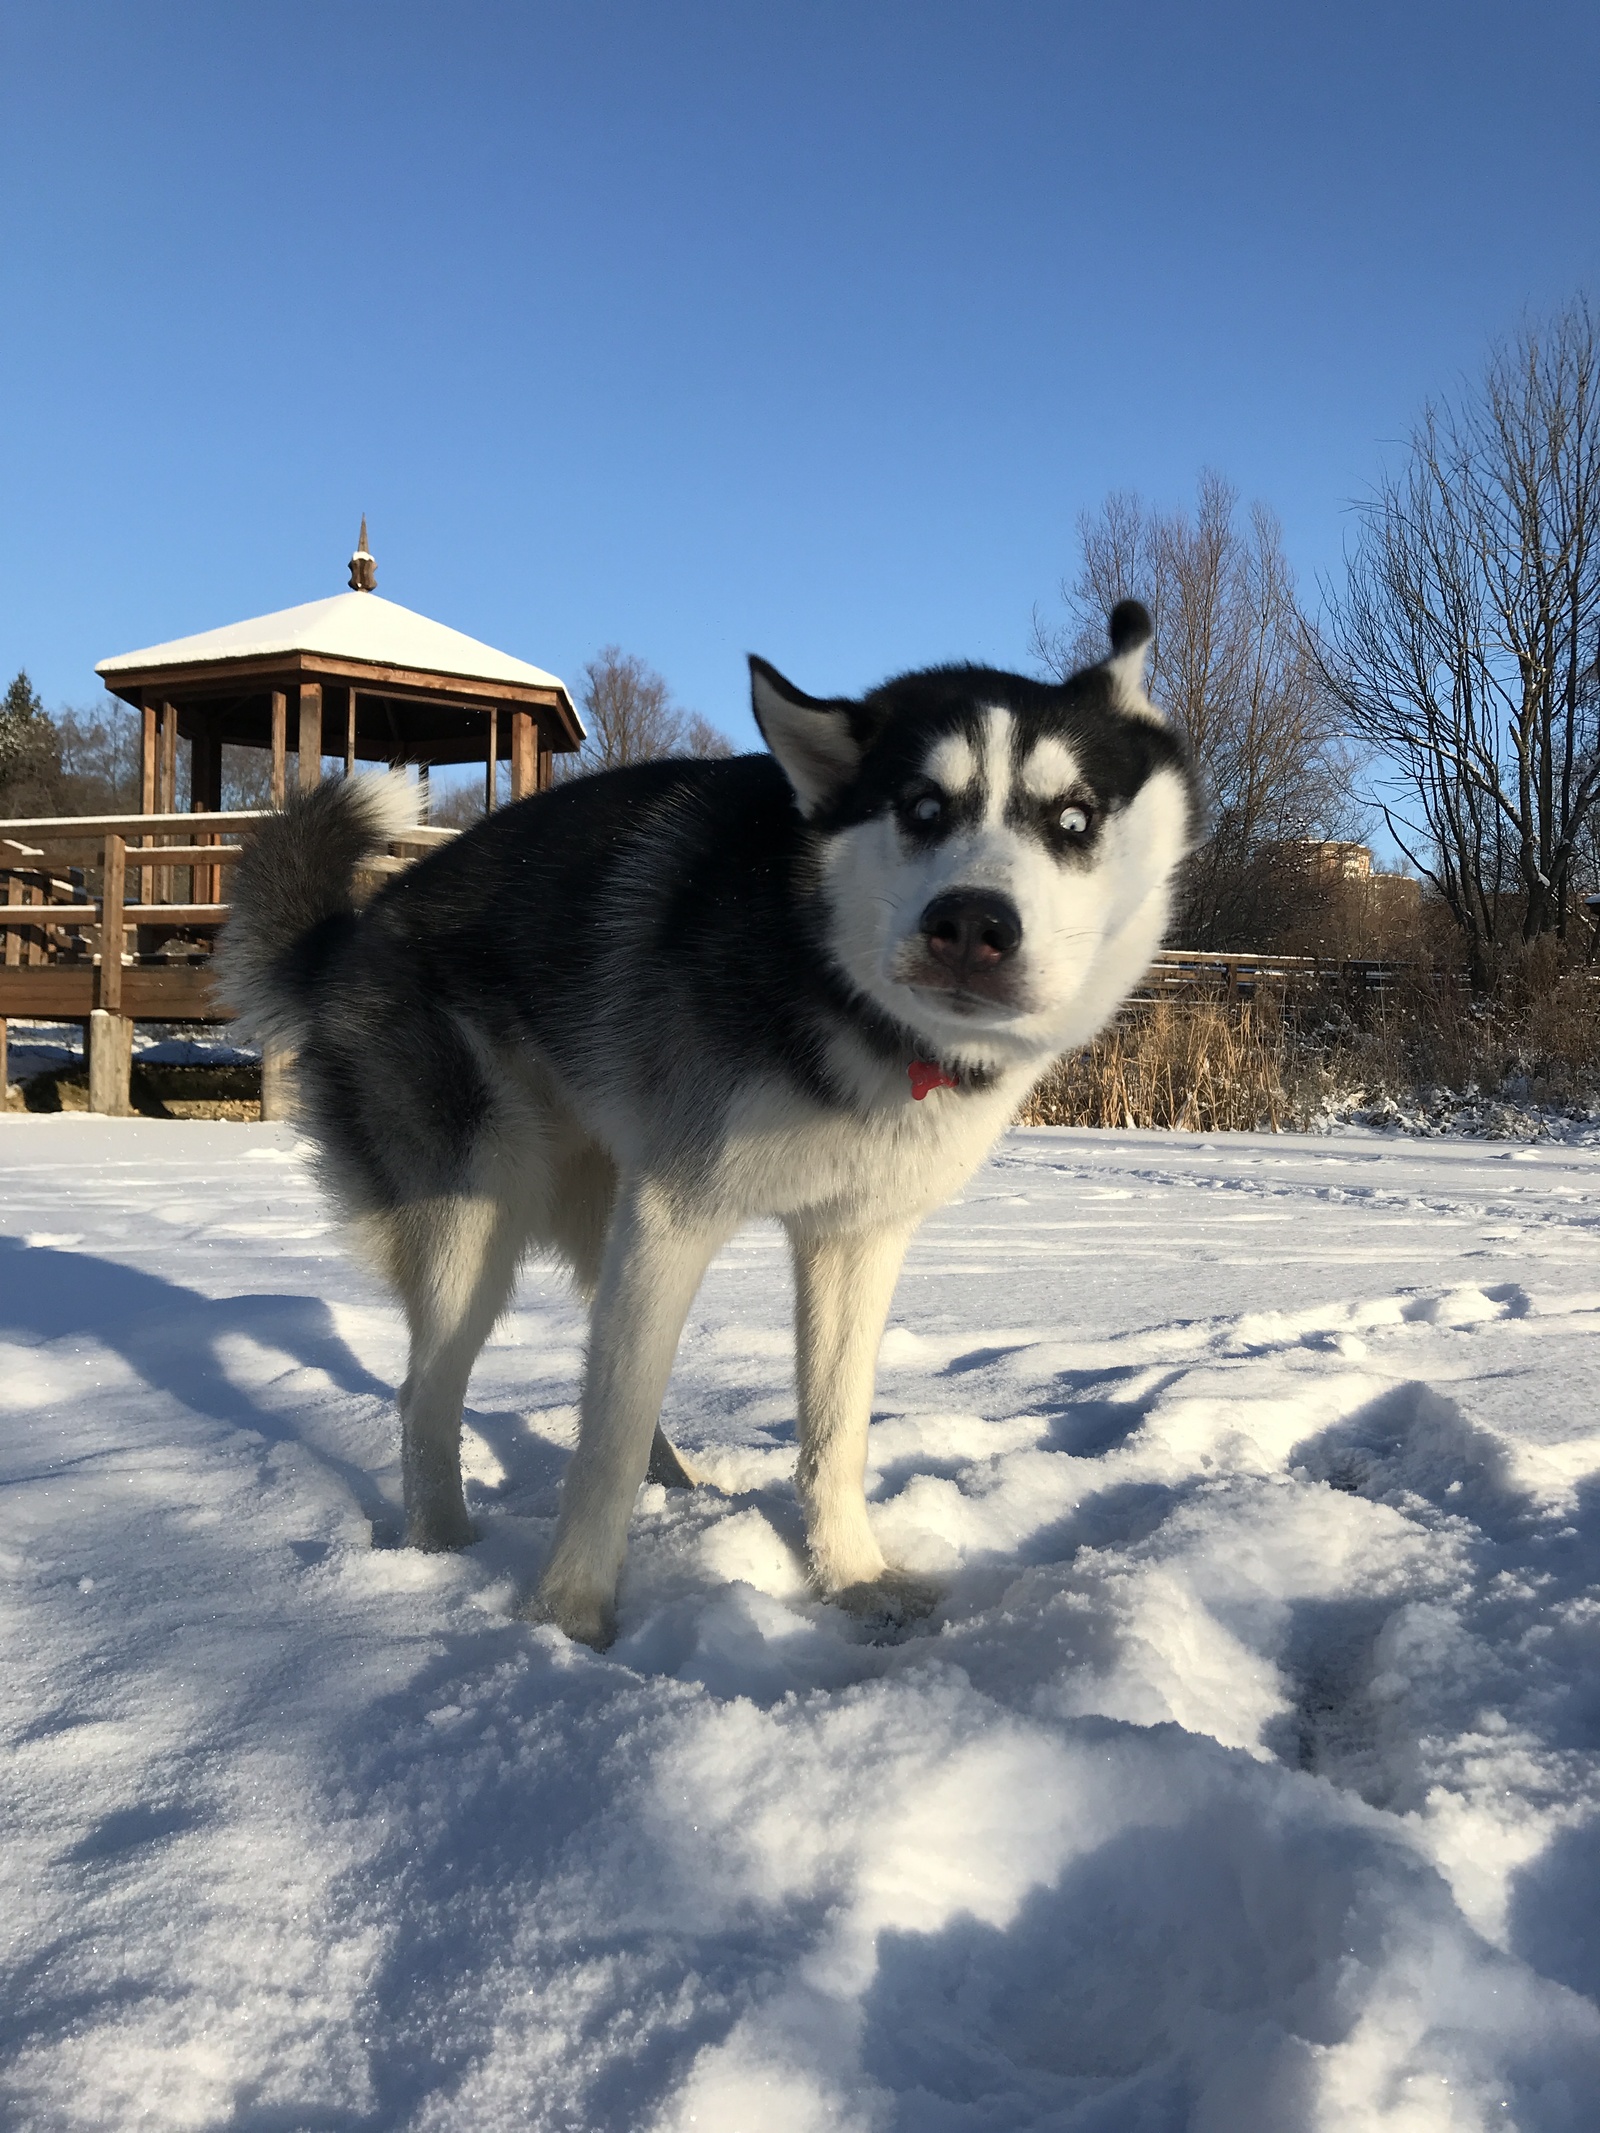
<point>109,919</point>
<point>369,682</point>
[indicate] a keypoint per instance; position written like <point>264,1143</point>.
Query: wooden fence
<point>153,886</point>
<point>1193,973</point>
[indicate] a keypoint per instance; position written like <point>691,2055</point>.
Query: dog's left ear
<point>811,737</point>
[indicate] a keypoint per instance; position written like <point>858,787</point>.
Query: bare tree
<point>1464,644</point>
<point>99,759</point>
<point>631,717</point>
<point>246,776</point>
<point>1232,664</point>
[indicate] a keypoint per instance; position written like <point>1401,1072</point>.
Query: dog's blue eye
<point>1075,820</point>
<point>928,808</point>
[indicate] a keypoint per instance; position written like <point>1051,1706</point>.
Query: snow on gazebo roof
<point>350,625</point>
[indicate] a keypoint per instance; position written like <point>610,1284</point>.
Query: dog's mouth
<point>996,996</point>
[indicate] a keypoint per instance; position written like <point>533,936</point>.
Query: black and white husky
<point>618,1020</point>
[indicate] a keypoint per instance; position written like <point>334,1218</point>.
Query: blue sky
<point>706,328</point>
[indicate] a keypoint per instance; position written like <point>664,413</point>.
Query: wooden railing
<point>111,919</point>
<point>50,919</point>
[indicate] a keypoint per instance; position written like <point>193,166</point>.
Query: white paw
<point>839,1566</point>
<point>888,1604</point>
<point>586,1617</point>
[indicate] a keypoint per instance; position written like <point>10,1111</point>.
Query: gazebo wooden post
<point>166,794</point>
<point>167,761</point>
<point>310,735</point>
<point>280,747</point>
<point>547,766</point>
<point>489,771</point>
<point>276,1094</point>
<point>147,757</point>
<point>350,733</point>
<point>524,754</point>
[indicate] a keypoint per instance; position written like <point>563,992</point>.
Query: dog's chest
<point>784,1155</point>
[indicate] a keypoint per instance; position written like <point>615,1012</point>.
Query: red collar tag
<point>926,1075</point>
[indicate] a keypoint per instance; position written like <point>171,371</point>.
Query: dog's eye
<point>928,809</point>
<point>1075,820</point>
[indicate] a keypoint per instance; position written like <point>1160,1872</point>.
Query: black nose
<point>971,930</point>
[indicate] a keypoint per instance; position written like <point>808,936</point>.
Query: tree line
<point>1462,648</point>
<point>1448,686</point>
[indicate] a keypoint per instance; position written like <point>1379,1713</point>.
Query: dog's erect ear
<point>811,738</point>
<point>1130,630</point>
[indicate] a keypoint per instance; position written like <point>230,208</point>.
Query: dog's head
<point>996,852</point>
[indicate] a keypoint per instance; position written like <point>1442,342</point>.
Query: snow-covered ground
<point>46,1047</point>
<point>1246,1780</point>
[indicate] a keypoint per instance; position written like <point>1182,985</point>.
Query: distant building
<point>1331,863</point>
<point>1328,860</point>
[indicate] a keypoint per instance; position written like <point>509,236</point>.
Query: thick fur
<point>616,1021</point>
<point>292,895</point>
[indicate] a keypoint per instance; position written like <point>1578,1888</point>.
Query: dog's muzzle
<point>969,938</point>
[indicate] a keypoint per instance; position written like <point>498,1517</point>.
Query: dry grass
<point>1270,1064</point>
<point>1535,1040</point>
<point>1199,1067</point>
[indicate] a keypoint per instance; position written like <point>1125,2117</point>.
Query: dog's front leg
<point>653,1263</point>
<point>843,1284</point>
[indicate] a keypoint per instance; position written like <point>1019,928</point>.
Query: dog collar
<point>927,1074</point>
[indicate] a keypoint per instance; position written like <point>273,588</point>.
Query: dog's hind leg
<point>454,1260</point>
<point>653,1263</point>
<point>843,1284</point>
<point>579,1218</point>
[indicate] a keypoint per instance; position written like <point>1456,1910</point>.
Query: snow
<point>46,1047</point>
<point>1245,1780</point>
<point>349,625</point>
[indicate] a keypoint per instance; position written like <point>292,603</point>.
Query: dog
<point>615,1021</point>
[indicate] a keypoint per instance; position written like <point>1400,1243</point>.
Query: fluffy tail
<point>291,886</point>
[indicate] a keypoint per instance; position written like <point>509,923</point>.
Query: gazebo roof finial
<point>363,570</point>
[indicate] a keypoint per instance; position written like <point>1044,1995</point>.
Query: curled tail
<point>292,889</point>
